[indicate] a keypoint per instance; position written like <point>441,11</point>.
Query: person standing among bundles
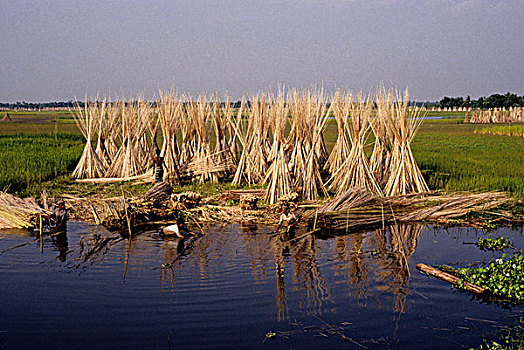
<point>287,219</point>
<point>158,163</point>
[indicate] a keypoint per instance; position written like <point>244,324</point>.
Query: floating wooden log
<point>450,278</point>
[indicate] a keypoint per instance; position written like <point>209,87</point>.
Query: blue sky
<point>56,50</point>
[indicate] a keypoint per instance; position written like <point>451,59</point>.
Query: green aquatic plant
<point>511,338</point>
<point>500,243</point>
<point>503,279</point>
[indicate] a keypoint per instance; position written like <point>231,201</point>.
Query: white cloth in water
<point>172,230</point>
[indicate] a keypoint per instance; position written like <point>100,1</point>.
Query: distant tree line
<point>493,101</point>
<point>40,105</point>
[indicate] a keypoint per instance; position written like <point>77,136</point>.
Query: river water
<point>227,289</point>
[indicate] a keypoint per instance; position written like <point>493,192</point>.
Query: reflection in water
<point>365,262</point>
<point>93,247</point>
<point>394,246</point>
<point>257,252</point>
<point>358,272</point>
<point>307,279</point>
<point>234,283</point>
<point>280,248</point>
<point>61,245</point>
<point>173,248</point>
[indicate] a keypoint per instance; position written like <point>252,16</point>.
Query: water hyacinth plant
<point>500,243</point>
<point>504,279</point>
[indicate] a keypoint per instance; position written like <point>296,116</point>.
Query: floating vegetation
<point>511,338</point>
<point>500,243</point>
<point>325,330</point>
<point>503,279</point>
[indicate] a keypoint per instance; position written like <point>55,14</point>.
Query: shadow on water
<point>230,286</point>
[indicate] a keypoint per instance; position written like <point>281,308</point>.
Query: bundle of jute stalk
<point>145,115</point>
<point>381,155</point>
<point>309,113</point>
<point>246,172</point>
<point>278,176</point>
<point>254,137</point>
<point>201,164</point>
<point>170,114</point>
<point>495,115</point>
<point>355,171</point>
<point>206,165</point>
<point>19,213</point>
<point>88,119</point>
<point>132,159</point>
<point>403,123</point>
<point>187,135</point>
<point>360,208</point>
<point>102,134</point>
<point>341,106</point>
<point>110,130</point>
<point>221,119</point>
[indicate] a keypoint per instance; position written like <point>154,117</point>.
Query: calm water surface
<point>92,289</point>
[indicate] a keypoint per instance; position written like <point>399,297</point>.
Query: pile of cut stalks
<point>496,115</point>
<point>275,141</point>
<point>18,213</point>
<point>272,140</point>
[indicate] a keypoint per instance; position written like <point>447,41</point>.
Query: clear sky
<point>56,50</point>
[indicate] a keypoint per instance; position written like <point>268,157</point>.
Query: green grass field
<point>27,160</point>
<point>452,157</point>
<point>515,130</point>
<point>450,154</point>
<point>45,122</point>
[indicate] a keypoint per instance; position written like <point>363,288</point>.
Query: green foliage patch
<point>511,338</point>
<point>27,160</point>
<point>500,243</point>
<point>504,130</point>
<point>504,279</point>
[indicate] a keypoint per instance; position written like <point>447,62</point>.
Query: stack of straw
<point>19,213</point>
